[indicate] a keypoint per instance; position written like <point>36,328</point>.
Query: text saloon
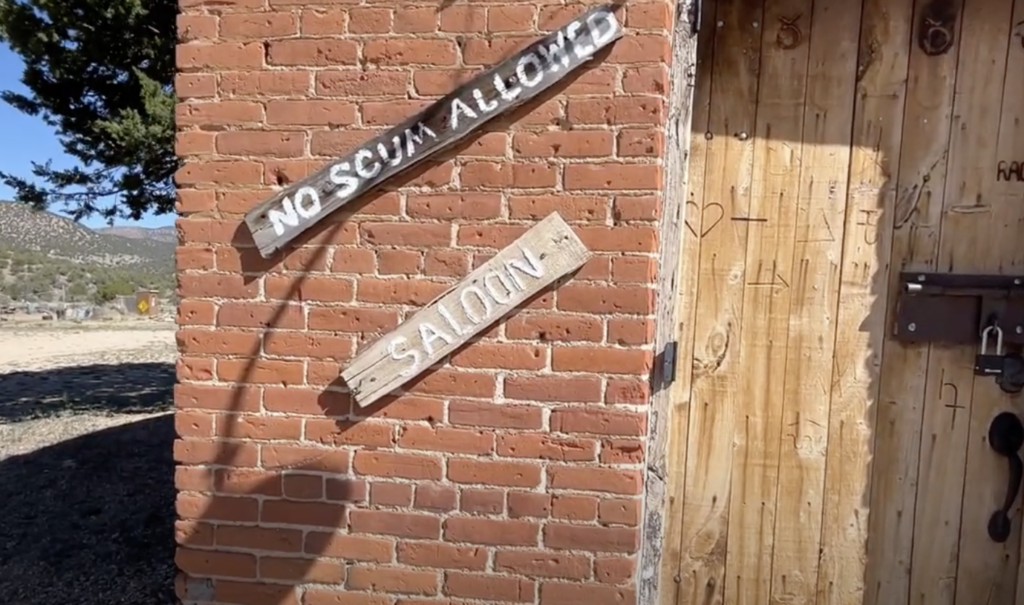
<point>289,212</point>
<point>539,257</point>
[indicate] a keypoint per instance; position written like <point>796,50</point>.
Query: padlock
<point>985,363</point>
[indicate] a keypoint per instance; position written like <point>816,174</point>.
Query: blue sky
<point>26,139</point>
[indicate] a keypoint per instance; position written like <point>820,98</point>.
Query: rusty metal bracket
<point>954,308</point>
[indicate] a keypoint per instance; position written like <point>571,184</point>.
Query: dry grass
<point>86,467</point>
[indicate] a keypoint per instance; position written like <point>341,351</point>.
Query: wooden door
<point>813,459</point>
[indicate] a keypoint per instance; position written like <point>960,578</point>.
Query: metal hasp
<point>986,311</point>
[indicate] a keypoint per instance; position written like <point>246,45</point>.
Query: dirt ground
<point>86,467</point>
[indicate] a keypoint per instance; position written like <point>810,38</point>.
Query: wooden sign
<point>291,211</point>
<point>540,256</point>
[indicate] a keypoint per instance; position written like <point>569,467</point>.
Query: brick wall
<point>511,474</point>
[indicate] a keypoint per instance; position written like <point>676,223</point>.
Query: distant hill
<point>160,234</point>
<point>48,257</point>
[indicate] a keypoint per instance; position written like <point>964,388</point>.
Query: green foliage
<point>27,275</point>
<point>101,73</point>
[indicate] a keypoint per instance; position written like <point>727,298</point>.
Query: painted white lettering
<point>483,104</point>
<point>611,27</point>
<point>450,320</point>
<point>556,53</point>
<point>457,106</point>
<point>582,49</point>
<point>385,155</point>
<point>347,184</point>
<point>534,269</point>
<point>313,208</point>
<point>537,69</point>
<point>412,354</point>
<point>428,334</point>
<point>415,135</point>
<point>283,216</point>
<point>501,298</point>
<point>473,316</point>
<point>361,156</point>
<point>509,94</point>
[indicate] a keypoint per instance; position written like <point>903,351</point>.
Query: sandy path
<point>86,466</point>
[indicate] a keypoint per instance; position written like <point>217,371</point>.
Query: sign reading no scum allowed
<point>293,210</point>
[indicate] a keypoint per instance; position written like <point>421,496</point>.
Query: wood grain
<point>293,210</point>
<point>538,258</point>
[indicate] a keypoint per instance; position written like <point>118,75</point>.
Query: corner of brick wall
<point>511,474</point>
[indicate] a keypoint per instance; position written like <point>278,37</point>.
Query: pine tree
<point>101,73</point>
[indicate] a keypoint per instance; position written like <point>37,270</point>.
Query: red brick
<point>504,356</point>
<point>645,80</point>
<point>544,564</point>
<point>346,546</point>
<point>475,530</point>
<point>217,56</point>
<point>216,508</point>
<point>303,487</point>
<point>458,18</point>
<point>554,327</point>
<point>302,570</point>
<point>482,501</point>
<point>311,113</point>
<point>478,413</point>
<point>394,579</point>
<point>318,514</point>
<point>614,570</point>
<point>572,208</point>
<point>196,27</point>
<point>207,563</point>
<point>219,173</point>
<point>342,596</point>
<point>416,292</point>
<point>406,51</point>
<point>257,26</point>
<point>248,593</point>
<point>466,206</point>
<point>597,479</point>
<point>406,234</point>
<point>598,422</point>
<point>547,447</point>
<point>489,51</point>
<point>511,474</point>
<point>528,504</point>
<point>403,525</point>
<point>641,48</point>
<point>391,494</point>
<point>514,18</point>
<point>319,22</point>
<point>306,458</point>
<point>439,82</point>
<point>369,20</point>
<point>574,508</point>
<point>558,593</point>
<point>257,426</point>
<point>359,83</point>
<point>589,538</point>
<point>442,556</point>
<point>491,587</point>
<point>274,144</point>
<point>435,497</point>
<point>257,83</point>
<point>554,388</point>
<point>622,451</point>
<point>612,176</point>
<point>352,319</point>
<point>619,512</point>
<point>315,53</point>
<point>416,20</point>
<point>407,466</point>
<point>390,113</point>
<point>598,359</point>
<point>195,86</point>
<point>456,383</point>
<point>193,142</point>
<point>568,144</point>
<point>334,433</point>
<point>440,439</point>
<point>639,143</point>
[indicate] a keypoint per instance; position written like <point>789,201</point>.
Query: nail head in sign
<point>520,78</point>
<point>542,255</point>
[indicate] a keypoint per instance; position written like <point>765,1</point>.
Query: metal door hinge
<point>668,363</point>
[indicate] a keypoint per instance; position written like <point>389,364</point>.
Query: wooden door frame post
<point>682,81</point>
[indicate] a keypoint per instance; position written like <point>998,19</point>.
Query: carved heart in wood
<point>710,216</point>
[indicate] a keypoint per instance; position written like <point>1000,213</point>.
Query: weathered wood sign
<point>540,256</point>
<point>296,208</point>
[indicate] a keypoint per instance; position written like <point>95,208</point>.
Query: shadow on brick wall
<point>263,501</point>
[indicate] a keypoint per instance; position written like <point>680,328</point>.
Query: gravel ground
<point>86,466</point>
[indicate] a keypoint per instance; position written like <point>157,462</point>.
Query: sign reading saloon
<point>540,256</point>
<point>291,211</point>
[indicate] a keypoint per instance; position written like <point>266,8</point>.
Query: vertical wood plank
<point>821,211</point>
<point>897,429</point>
<point>686,308</point>
<point>717,329</point>
<point>771,228</point>
<point>986,570</point>
<point>860,321</point>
